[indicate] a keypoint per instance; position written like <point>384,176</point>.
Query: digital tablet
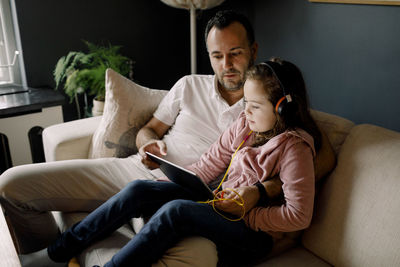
<point>183,177</point>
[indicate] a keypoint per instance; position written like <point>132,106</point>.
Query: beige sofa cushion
<point>295,257</point>
<point>357,216</point>
<point>63,141</point>
<point>335,127</point>
<point>128,106</point>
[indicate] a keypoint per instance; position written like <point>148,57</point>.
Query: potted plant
<point>84,73</point>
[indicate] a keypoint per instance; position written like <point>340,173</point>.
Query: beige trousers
<point>29,193</point>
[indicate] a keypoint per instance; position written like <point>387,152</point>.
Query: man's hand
<point>148,139</point>
<point>156,147</point>
<point>249,194</point>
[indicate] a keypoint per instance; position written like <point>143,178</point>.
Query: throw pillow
<point>128,106</point>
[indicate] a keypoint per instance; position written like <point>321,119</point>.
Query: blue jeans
<point>175,215</point>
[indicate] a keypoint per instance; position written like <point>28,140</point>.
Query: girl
<point>274,135</point>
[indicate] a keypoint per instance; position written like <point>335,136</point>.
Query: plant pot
<point>98,107</point>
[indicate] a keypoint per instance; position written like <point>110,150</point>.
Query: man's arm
<point>154,129</point>
<point>325,160</point>
<point>148,139</point>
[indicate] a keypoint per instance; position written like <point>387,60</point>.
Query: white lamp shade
<point>197,4</point>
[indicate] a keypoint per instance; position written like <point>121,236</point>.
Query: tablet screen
<point>183,177</point>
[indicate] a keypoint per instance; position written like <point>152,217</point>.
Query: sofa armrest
<point>70,140</point>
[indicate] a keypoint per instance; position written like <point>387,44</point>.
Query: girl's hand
<point>249,194</point>
<point>156,147</point>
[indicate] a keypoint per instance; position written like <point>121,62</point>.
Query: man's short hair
<point>224,18</point>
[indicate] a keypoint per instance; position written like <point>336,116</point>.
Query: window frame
<point>10,42</point>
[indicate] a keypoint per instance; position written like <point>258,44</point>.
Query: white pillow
<point>128,106</point>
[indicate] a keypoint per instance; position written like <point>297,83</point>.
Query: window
<point>11,63</point>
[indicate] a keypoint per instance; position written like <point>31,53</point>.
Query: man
<point>196,111</point>
<point>232,50</point>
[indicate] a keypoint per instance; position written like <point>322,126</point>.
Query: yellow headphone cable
<point>219,196</point>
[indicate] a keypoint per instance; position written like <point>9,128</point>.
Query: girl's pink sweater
<point>289,154</point>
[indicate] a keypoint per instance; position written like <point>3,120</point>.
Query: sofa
<point>357,208</point>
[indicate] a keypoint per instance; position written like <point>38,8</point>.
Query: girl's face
<point>259,110</point>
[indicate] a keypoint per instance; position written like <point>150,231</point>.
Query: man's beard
<point>231,86</point>
<point>234,86</point>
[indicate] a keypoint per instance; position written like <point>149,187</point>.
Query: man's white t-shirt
<point>198,115</point>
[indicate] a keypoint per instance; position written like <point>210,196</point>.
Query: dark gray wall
<point>154,35</point>
<point>151,33</point>
<point>349,54</point>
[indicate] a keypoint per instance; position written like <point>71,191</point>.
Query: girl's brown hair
<point>298,115</point>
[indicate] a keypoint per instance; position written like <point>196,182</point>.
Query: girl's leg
<point>138,198</point>
<point>180,218</point>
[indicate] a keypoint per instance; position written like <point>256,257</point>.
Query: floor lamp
<point>192,5</point>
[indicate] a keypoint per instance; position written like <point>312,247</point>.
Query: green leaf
<point>80,72</point>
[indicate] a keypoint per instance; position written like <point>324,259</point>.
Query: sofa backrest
<point>357,218</point>
<point>335,127</point>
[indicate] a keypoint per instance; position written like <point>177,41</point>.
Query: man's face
<point>230,55</point>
